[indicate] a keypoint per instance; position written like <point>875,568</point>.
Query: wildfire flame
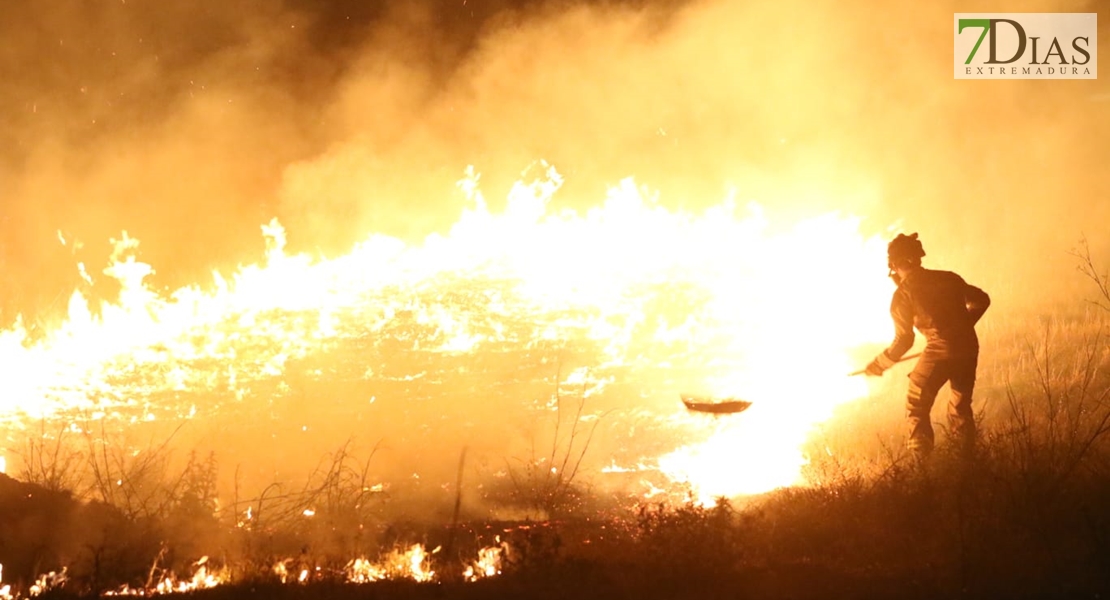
<point>43,583</point>
<point>488,563</point>
<point>169,583</point>
<point>410,563</point>
<point>771,314</point>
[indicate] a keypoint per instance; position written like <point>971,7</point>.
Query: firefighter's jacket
<point>944,308</point>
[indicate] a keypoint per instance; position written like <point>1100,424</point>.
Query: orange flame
<point>169,583</point>
<point>780,316</point>
<point>410,563</point>
<point>488,563</point>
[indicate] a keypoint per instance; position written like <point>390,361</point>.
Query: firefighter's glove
<point>879,366</point>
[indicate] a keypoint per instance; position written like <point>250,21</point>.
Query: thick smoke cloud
<point>190,126</point>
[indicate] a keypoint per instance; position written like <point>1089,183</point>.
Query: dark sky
<point>190,124</point>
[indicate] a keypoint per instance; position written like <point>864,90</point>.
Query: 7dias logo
<point>1026,46</point>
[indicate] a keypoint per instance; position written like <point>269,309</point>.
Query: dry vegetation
<point>189,128</point>
<point>1028,517</point>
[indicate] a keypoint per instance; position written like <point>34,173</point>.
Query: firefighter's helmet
<point>904,248</point>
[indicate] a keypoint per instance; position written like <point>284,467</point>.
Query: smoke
<point>189,127</point>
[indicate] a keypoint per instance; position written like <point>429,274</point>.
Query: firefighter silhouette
<point>944,308</point>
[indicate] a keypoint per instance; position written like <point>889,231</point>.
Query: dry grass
<point>1029,516</point>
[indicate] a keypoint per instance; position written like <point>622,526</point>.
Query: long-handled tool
<point>728,406</point>
<point>900,360</point>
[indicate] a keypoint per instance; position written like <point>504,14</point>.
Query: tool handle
<point>900,360</point>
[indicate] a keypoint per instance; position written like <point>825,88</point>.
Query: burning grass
<point>133,482</point>
<point>471,337</point>
<point>1028,517</point>
<point>984,529</point>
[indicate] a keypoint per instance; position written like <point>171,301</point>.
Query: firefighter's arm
<point>977,302</point>
<point>901,310</point>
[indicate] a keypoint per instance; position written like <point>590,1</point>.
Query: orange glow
<point>488,563</point>
<point>169,583</point>
<point>781,313</point>
<point>409,563</point>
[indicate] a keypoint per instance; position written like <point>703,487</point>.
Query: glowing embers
<point>170,583</point>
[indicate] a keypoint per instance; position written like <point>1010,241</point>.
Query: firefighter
<point>945,309</point>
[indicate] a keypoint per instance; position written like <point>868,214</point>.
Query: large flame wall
<point>469,339</point>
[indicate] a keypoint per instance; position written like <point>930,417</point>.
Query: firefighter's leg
<point>925,381</point>
<point>961,418</point>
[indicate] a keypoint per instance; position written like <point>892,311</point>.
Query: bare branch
<point>1087,267</point>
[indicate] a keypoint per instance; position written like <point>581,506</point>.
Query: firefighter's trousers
<point>927,378</point>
